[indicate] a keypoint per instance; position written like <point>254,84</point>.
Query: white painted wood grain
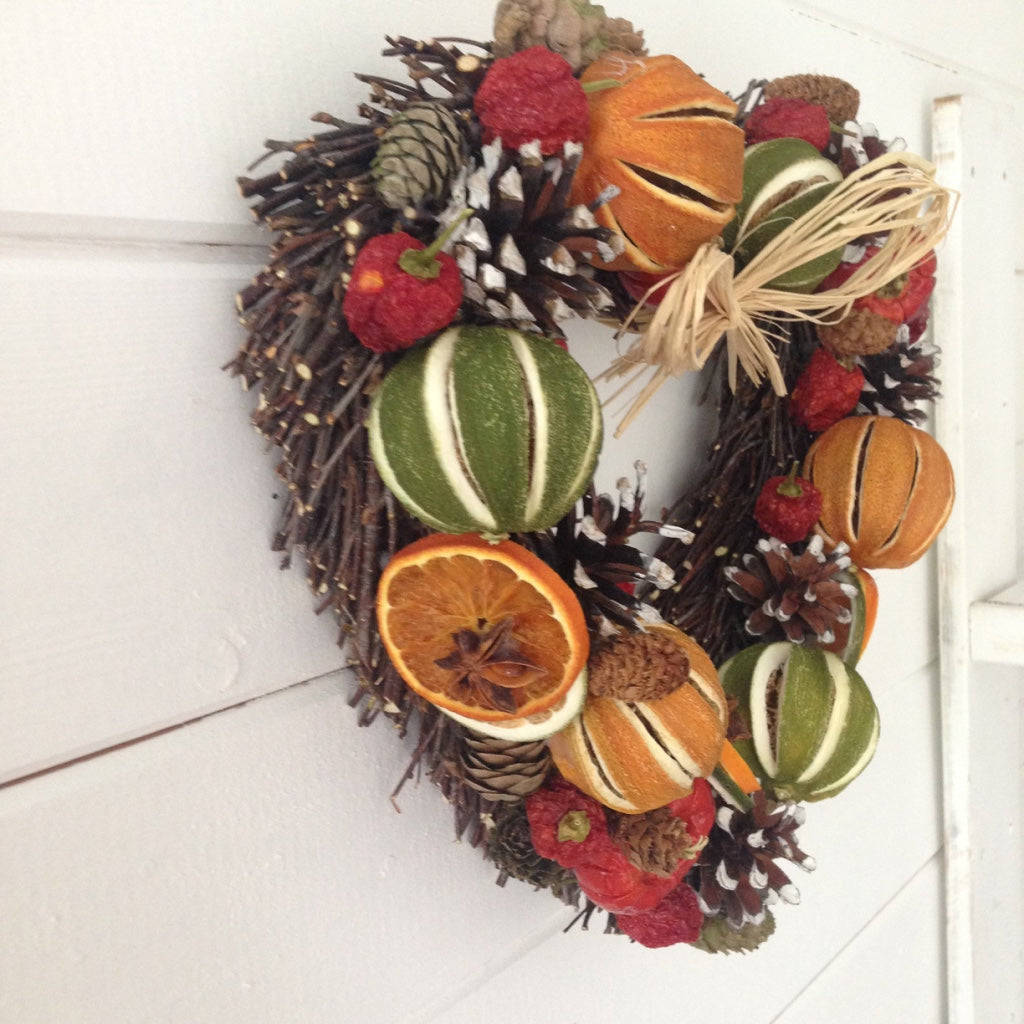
<point>892,970</point>
<point>183,97</point>
<point>974,316</point>
<point>250,868</point>
<point>139,587</point>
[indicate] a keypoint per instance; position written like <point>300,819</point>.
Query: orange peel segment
<point>445,586</point>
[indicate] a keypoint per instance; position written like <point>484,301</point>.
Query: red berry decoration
<point>677,918</point>
<point>566,825</point>
<point>401,290</point>
<point>787,507</point>
<point>787,117</point>
<point>532,95</point>
<point>825,392</point>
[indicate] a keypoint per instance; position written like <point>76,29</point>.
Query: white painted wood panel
<point>250,868</point>
<point>182,98</point>
<point>139,588</point>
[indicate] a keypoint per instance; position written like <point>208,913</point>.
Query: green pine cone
<point>419,153</point>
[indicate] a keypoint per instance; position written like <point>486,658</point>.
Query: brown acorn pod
<point>636,755</point>
<point>887,489</point>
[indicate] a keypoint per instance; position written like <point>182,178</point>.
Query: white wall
<point>192,827</point>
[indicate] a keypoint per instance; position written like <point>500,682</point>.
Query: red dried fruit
<point>616,885</point>
<point>901,300</point>
<point>566,825</point>
<point>787,117</point>
<point>787,507</point>
<point>698,811</point>
<point>532,95</point>
<point>677,918</point>
<point>825,392</point>
<point>401,291</point>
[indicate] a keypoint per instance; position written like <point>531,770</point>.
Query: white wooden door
<point>192,827</point>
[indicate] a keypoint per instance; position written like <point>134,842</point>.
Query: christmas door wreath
<point>635,728</point>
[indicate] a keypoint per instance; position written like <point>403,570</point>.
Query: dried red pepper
<point>787,507</point>
<point>902,298</point>
<point>401,290</point>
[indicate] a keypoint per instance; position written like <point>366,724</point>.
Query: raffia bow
<point>894,195</point>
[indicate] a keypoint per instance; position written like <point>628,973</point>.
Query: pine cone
<point>580,32</point>
<point>839,98</point>
<point>609,569</point>
<point>738,876</point>
<point>419,153</point>
<point>862,333</point>
<point>504,770</point>
<point>899,378</point>
<point>523,254</point>
<point>799,595</point>
<point>510,847</point>
<point>718,936</point>
<point>655,841</point>
<point>637,667</point>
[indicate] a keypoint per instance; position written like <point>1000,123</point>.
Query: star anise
<point>489,666</point>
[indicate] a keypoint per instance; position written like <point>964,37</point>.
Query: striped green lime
<point>782,180</point>
<point>813,722</point>
<point>486,430</point>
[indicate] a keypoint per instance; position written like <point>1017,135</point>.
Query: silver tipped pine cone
<point>523,252</point>
<point>738,873</point>
<point>798,596</point>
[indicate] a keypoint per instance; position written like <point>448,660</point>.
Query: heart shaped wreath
<point>438,444</point>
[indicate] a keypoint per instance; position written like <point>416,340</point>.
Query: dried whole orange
<point>887,489</point>
<point>636,755</point>
<point>665,139</point>
<point>485,631</point>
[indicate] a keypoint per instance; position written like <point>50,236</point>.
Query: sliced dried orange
<point>486,631</point>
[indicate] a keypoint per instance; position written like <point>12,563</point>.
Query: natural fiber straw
<point>894,195</point>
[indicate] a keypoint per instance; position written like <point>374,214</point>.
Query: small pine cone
<point>504,770</point>
<point>738,877</point>
<point>655,841</point>
<point>839,98</point>
<point>419,153</point>
<point>637,667</point>
<point>718,936</point>
<point>797,594</point>
<point>524,255</point>
<point>510,847</point>
<point>862,333</point>
<point>579,32</point>
<point>899,378</point>
<point>619,34</point>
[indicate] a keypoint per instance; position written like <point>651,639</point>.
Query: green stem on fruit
<point>424,262</point>
<point>573,827</point>
<point>789,488</point>
<point>600,84</point>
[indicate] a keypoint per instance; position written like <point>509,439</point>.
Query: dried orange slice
<point>485,631</point>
